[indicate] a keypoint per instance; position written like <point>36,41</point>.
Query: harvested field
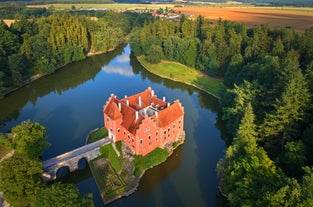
<point>274,17</point>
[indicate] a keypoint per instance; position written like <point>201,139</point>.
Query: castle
<point>143,121</point>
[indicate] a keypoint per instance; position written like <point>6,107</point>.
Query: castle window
<point>173,125</point>
<point>132,139</point>
<point>156,133</point>
<point>128,136</point>
<point>149,143</point>
<point>149,137</point>
<point>147,129</point>
<point>156,139</point>
<point>168,129</point>
<point>140,141</point>
<point>164,131</point>
<point>118,130</point>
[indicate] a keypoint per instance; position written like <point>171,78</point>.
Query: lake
<point>69,103</point>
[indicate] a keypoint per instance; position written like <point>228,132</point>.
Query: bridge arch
<point>62,171</point>
<point>82,163</point>
<point>72,158</point>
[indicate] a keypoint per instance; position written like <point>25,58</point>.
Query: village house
<point>143,121</point>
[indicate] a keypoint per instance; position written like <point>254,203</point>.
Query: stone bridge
<point>71,158</point>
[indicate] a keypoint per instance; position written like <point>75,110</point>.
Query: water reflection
<point>62,80</point>
<point>154,176</point>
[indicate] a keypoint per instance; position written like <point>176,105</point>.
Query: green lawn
<point>108,152</point>
<point>97,135</point>
<point>154,158</point>
<point>182,73</point>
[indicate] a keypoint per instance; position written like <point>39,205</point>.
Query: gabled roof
<point>111,109</point>
<point>170,114</point>
<point>129,118</point>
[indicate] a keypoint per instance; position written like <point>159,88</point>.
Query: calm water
<point>69,104</point>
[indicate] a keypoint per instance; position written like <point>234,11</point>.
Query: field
<point>178,72</point>
<point>109,6</point>
<point>297,18</point>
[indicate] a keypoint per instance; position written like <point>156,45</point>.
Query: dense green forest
<point>266,103</point>
<point>40,45</point>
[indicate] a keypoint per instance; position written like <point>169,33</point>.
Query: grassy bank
<point>152,159</point>
<point>97,135</point>
<point>178,72</point>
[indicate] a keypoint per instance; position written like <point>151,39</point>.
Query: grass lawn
<point>109,182</point>
<point>178,72</point>
<point>154,158</point>
<point>97,135</point>
<point>108,152</point>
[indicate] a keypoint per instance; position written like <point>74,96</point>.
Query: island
<point>144,130</point>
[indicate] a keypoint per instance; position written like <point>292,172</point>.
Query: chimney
<point>156,114</point>
<point>119,106</point>
<point>127,102</point>
<point>168,104</point>
<point>139,101</point>
<point>137,115</point>
<point>125,96</point>
<point>152,93</point>
<point>164,98</point>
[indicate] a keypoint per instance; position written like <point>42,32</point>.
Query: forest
<point>266,102</point>
<point>38,45</point>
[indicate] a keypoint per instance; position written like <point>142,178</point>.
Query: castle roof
<point>135,108</point>
<point>170,114</point>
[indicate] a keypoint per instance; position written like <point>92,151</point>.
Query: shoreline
<point>176,80</point>
<point>11,89</point>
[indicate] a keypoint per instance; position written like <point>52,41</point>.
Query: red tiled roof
<point>111,109</point>
<point>129,118</point>
<point>134,100</point>
<point>170,114</point>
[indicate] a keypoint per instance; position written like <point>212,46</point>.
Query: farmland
<point>109,6</point>
<point>297,18</point>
